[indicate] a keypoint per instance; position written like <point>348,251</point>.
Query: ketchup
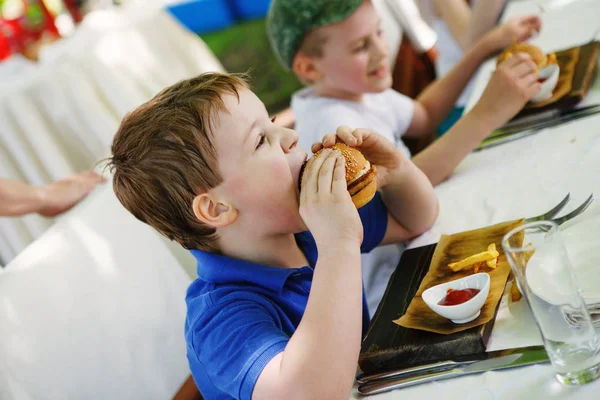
<point>542,80</point>
<point>456,297</point>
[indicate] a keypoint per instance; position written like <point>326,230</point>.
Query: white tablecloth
<point>58,116</point>
<point>521,179</point>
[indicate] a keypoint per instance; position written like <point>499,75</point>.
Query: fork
<point>565,218</point>
<point>575,212</point>
<point>549,214</point>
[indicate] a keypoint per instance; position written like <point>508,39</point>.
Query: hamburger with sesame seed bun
<point>537,55</point>
<point>361,176</point>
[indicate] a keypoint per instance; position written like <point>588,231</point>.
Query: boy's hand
<point>517,29</point>
<point>325,204</point>
<point>374,147</point>
<point>513,84</point>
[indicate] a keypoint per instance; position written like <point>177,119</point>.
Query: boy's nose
<point>288,139</point>
<point>381,47</point>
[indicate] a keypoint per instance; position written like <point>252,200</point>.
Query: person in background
<point>459,24</point>
<point>17,198</point>
<point>399,17</point>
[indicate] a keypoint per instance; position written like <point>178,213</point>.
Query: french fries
<point>493,262</point>
<point>515,293</point>
<point>478,266</point>
<point>477,260</point>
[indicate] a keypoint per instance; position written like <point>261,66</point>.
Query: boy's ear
<point>213,212</point>
<point>305,67</point>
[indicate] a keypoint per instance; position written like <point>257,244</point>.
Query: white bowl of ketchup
<point>460,300</point>
<point>548,78</point>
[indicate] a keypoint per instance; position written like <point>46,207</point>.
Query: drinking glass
<point>540,263</point>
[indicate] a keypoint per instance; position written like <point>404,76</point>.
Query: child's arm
<point>17,198</point>
<point>319,361</point>
<point>436,102</point>
<point>468,25</point>
<point>410,200</point>
<point>511,86</point>
<point>406,191</point>
<point>485,16</point>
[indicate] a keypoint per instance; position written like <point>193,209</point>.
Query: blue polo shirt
<point>241,314</point>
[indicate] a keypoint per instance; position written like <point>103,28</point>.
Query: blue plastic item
<point>250,9</point>
<point>202,16</point>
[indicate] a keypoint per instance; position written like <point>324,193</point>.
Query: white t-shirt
<point>388,113</point>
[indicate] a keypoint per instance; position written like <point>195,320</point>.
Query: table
<point>521,179</point>
<point>58,116</point>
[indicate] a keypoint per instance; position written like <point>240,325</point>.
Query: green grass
<point>245,48</point>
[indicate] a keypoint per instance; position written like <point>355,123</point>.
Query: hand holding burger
<point>326,207</point>
<point>361,175</point>
<point>369,159</point>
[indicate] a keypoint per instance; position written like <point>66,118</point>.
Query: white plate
<point>464,312</point>
<point>551,74</point>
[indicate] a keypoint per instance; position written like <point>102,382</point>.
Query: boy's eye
<point>274,118</point>
<point>363,46</point>
<point>261,141</point>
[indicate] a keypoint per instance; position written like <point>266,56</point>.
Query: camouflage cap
<point>289,20</point>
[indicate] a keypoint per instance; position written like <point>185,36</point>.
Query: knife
<point>438,366</point>
<point>495,360</point>
<point>510,136</point>
<point>529,121</point>
<point>461,361</point>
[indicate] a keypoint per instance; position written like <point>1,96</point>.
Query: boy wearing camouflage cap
<point>337,48</point>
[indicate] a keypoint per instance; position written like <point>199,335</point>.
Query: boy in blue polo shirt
<point>204,164</point>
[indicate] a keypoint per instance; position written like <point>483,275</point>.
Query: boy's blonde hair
<point>312,43</point>
<point>163,157</point>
